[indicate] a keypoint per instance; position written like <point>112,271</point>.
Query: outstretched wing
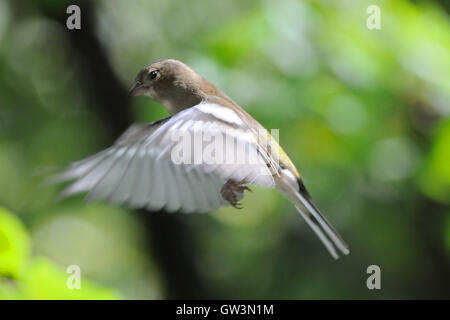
<point>154,165</point>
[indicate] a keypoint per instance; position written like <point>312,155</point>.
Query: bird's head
<point>171,83</point>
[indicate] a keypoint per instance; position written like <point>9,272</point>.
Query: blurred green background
<point>364,114</point>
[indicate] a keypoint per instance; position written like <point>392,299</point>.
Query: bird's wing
<point>149,166</point>
<point>268,145</point>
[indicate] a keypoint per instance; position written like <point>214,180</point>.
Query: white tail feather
<point>322,228</point>
<point>327,243</point>
<point>324,224</point>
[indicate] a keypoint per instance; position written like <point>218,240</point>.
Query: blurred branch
<point>445,4</point>
<point>429,216</point>
<point>172,242</point>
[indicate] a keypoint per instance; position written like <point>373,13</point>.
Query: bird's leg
<point>229,192</point>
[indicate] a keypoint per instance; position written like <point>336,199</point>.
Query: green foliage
<point>14,245</point>
<point>435,179</point>
<point>26,277</point>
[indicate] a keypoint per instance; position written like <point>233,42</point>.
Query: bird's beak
<point>136,90</point>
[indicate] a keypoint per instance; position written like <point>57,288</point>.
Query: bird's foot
<point>230,190</point>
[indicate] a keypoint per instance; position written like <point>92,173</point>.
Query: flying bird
<point>140,170</point>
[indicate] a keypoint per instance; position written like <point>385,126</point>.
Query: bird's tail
<point>322,228</point>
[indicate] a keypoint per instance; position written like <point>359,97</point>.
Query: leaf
<point>14,244</point>
<point>435,178</point>
<point>45,280</point>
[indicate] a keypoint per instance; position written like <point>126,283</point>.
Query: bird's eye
<point>153,74</point>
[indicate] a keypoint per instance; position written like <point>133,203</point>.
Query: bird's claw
<point>229,191</point>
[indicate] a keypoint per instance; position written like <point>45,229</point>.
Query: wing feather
<point>124,186</point>
<point>138,171</point>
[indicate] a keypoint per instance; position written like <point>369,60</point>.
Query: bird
<point>140,170</point>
